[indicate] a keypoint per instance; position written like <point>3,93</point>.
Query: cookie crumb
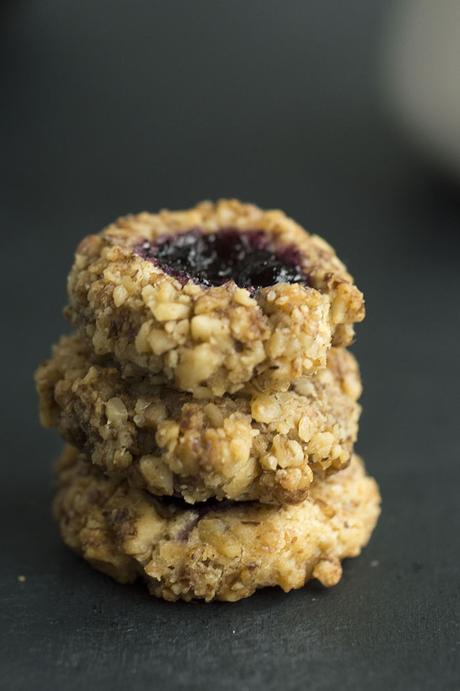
<point>22,579</point>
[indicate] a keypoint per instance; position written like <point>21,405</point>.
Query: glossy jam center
<point>215,258</point>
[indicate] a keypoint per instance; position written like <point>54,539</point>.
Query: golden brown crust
<point>218,552</point>
<point>258,446</point>
<point>210,341</point>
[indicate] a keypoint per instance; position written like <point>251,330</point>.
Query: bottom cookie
<point>221,551</point>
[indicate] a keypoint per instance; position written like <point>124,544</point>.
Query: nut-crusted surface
<point>260,446</point>
<point>224,552</point>
<point>211,340</point>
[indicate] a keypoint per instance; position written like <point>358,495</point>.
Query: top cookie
<point>212,298</point>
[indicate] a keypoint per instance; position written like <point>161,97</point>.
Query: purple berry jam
<point>215,258</point>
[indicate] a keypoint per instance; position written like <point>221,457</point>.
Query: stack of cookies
<point>210,405</point>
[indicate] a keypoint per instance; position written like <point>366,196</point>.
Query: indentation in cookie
<point>229,254</point>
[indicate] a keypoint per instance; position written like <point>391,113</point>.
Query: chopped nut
<point>116,412</point>
<point>119,295</point>
<point>167,311</point>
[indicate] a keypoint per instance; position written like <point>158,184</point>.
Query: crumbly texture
<point>211,340</point>
<point>222,552</point>
<point>259,446</point>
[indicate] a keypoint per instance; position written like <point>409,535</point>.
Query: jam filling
<point>247,258</point>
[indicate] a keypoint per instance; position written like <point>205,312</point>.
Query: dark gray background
<point>108,107</point>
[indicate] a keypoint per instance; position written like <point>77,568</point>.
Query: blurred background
<point>345,115</point>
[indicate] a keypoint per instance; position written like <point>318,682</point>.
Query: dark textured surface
<point>111,107</point>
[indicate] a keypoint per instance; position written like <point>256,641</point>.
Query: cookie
<point>214,297</point>
<point>217,551</point>
<point>259,446</point>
